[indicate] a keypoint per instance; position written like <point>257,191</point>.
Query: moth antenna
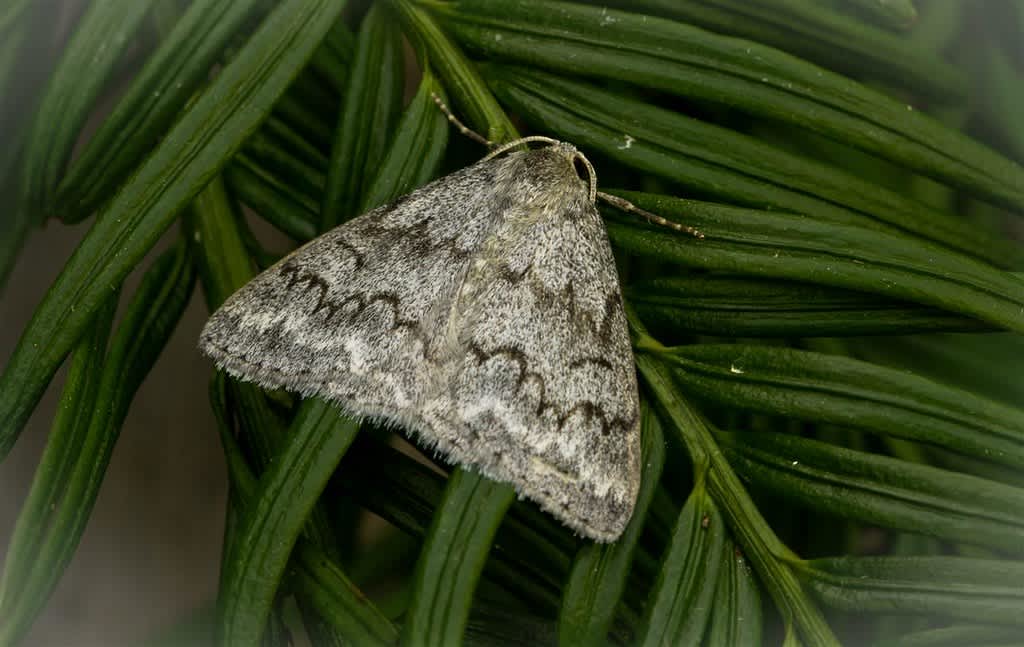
<point>496,150</point>
<point>591,174</point>
<point>516,142</point>
<point>629,207</point>
<point>463,128</point>
<point>480,139</point>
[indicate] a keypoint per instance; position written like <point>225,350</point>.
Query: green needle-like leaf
<point>213,230</point>
<point>882,491</point>
<point>149,321</point>
<point>301,171</point>
<point>691,63</point>
<point>102,35</point>
<point>719,162</point>
<point>599,571</point>
<point>820,32</point>
<point>156,97</point>
<point>414,154</point>
<point>293,149</point>
<point>372,102</point>
<point>786,246</point>
<point>680,605</point>
<point>734,306</point>
<point>461,79</point>
<point>70,426</point>
<point>527,558</point>
<point>987,364</point>
<point>844,391</point>
<point>181,165</point>
<point>757,540</point>
<point>339,602</point>
<point>456,547</point>
<point>332,60</point>
<point>300,114</point>
<point>975,590</point>
<point>316,578</point>
<point>893,13</point>
<point>959,634</point>
<point>736,614</point>
<point>274,517</point>
<point>24,24</point>
<point>268,197</point>
<point>1005,98</point>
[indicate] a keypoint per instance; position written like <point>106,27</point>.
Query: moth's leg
<point>629,207</point>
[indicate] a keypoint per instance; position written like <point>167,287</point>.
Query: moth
<point>481,312</point>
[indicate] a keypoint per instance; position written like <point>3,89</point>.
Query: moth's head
<point>555,163</point>
<point>581,166</point>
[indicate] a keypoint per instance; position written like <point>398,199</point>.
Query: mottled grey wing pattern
<point>544,387</point>
<point>483,312</point>
<point>348,315</point>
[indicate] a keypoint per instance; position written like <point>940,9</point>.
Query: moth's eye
<point>582,172</point>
